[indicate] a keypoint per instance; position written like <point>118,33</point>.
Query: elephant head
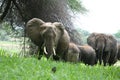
<point>100,47</point>
<point>100,42</point>
<point>51,33</point>
<point>73,53</point>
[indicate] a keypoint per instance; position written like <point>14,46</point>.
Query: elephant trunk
<point>49,49</point>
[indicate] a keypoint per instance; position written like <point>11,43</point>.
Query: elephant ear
<point>59,26</point>
<point>34,22</point>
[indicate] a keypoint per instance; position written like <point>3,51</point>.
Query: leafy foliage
<point>6,32</point>
<point>76,5</point>
<point>84,35</point>
<point>117,34</point>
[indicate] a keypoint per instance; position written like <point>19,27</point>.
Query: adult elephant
<point>73,53</point>
<point>98,41</point>
<point>52,38</point>
<point>87,54</point>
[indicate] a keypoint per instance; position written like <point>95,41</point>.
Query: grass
<point>13,67</point>
<point>12,47</point>
<point>20,68</point>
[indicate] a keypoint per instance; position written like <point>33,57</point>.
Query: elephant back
<point>88,55</point>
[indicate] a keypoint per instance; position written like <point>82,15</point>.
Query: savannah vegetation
<point>30,68</point>
<point>17,65</point>
<point>13,66</point>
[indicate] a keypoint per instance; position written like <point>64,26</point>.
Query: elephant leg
<point>106,57</point>
<point>93,61</point>
<point>97,58</point>
<point>100,58</point>
<point>56,58</point>
<point>64,55</point>
<point>40,53</point>
<point>112,60</point>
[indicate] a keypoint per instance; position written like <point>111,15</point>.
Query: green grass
<point>20,68</point>
<point>14,67</point>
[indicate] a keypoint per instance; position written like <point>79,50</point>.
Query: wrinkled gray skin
<point>100,46</point>
<point>118,54</point>
<point>112,47</point>
<point>73,53</point>
<point>51,38</point>
<point>88,55</point>
<point>105,47</point>
<point>92,39</point>
<point>98,41</point>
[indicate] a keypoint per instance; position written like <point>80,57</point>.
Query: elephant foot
<point>56,58</point>
<point>39,57</point>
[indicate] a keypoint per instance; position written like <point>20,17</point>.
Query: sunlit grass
<point>20,68</point>
<point>14,67</point>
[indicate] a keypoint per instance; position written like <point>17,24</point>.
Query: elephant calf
<point>73,53</point>
<point>88,55</point>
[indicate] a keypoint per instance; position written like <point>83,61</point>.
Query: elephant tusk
<point>54,52</point>
<point>45,50</point>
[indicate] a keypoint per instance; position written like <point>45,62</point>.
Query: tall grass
<point>20,68</point>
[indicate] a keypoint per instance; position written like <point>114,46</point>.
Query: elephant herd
<point>105,46</point>
<point>53,41</point>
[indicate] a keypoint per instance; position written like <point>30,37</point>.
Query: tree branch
<point>20,11</point>
<point>6,10</point>
<point>2,4</point>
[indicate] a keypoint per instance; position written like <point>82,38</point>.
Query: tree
<point>84,35</point>
<point>20,11</point>
<point>117,35</point>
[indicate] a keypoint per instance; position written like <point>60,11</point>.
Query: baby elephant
<point>88,55</point>
<point>73,53</point>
